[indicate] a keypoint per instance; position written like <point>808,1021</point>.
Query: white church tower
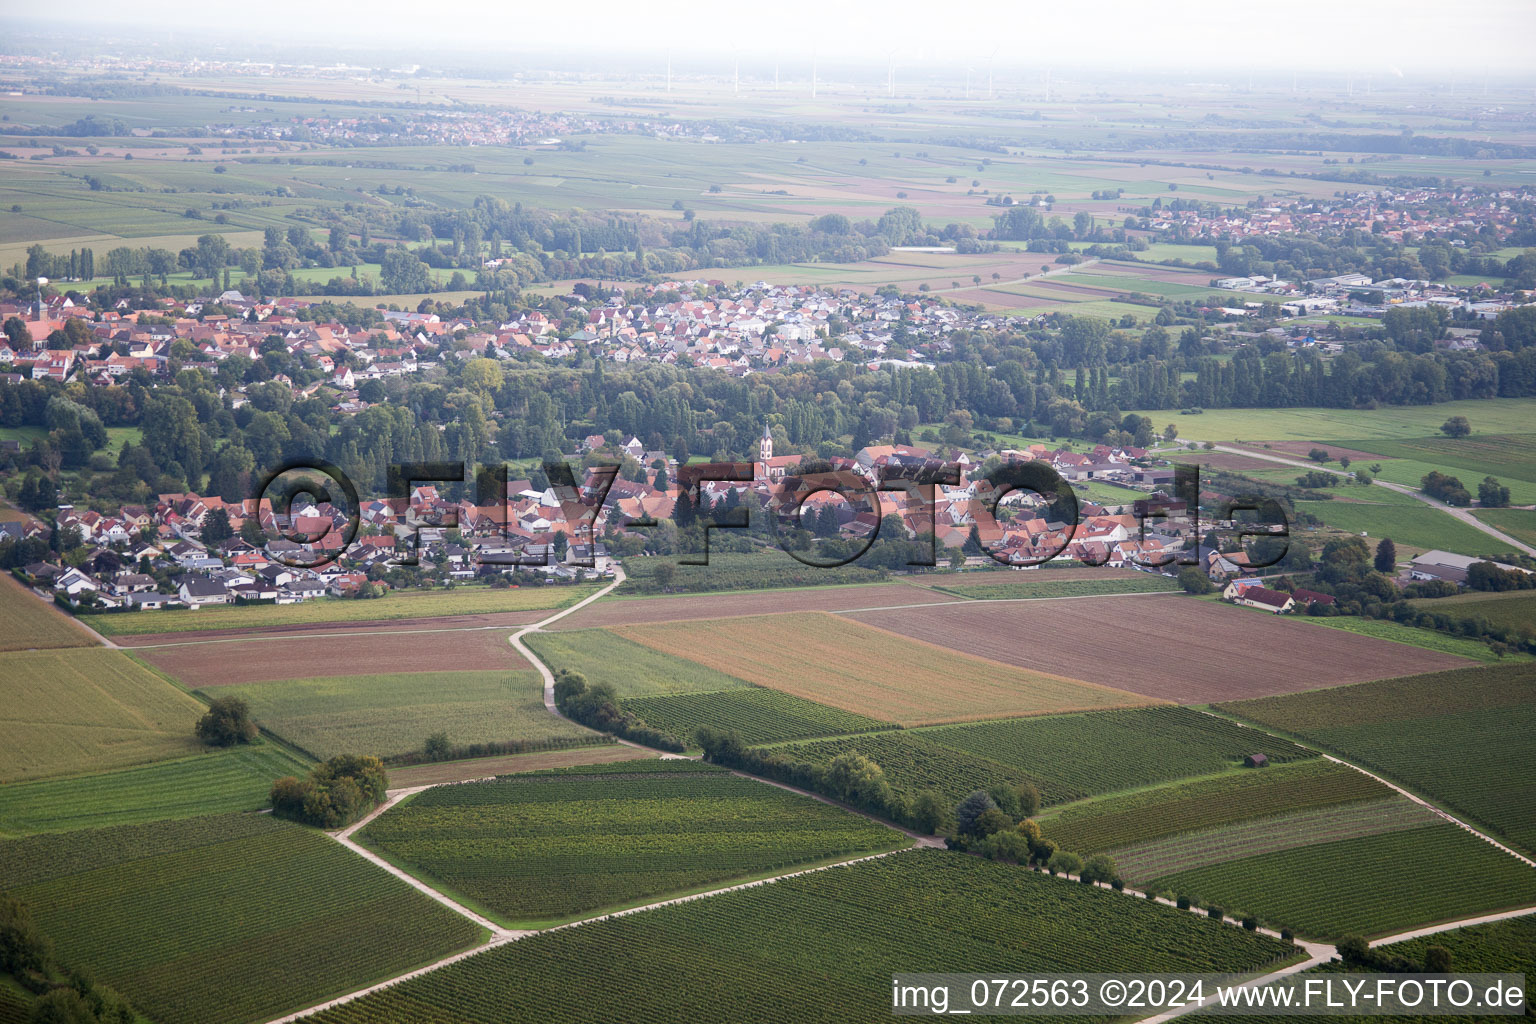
<point>765,446</point>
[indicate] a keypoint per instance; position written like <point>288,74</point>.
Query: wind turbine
<point>669,71</point>
<point>968,82</point>
<point>990,57</point>
<point>813,75</point>
<point>890,74</point>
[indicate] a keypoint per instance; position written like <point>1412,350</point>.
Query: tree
<point>437,747</point>
<point>1319,455</point>
<point>1437,960</point>
<point>1006,845</point>
<point>971,808</point>
<point>22,946</point>
<point>1386,556</point>
<point>1171,432</point>
<point>929,813</point>
<point>1492,494</point>
<point>664,574</point>
<point>401,271</point>
<point>216,528</point>
<point>990,822</point>
<point>252,533</point>
<point>62,1006</point>
<point>227,722</point>
<point>1456,426</point>
<point>1353,949</point>
<point>1445,487</point>
<point>1100,868</point>
<point>1194,581</point>
<point>853,777</point>
<point>1066,863</point>
<point>1029,799</point>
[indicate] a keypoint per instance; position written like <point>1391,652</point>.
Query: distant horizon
<point>1407,40</point>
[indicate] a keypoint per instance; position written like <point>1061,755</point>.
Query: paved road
<point>1459,513</point>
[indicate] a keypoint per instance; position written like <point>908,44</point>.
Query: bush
<point>437,747</point>
<point>227,722</point>
<point>1286,935</point>
<point>22,946</point>
<point>1194,581</point>
<point>335,794</point>
<point>596,708</point>
<point>1216,912</point>
<point>1251,923</point>
<point>1184,902</point>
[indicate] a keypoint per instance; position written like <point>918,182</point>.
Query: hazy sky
<point>1420,37</point>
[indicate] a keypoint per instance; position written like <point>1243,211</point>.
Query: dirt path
<point>1073,268</point>
<point>1457,513</point>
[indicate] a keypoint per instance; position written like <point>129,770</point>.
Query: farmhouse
<point>1276,601</point>
<point>1443,565</point>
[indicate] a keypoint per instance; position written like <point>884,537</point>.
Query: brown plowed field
<point>444,622</point>
<point>996,577</point>
<point>254,661</point>
<point>637,610</point>
<point>1170,647</point>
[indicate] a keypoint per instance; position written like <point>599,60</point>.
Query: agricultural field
<point>758,714</point>
<point>551,845</point>
<point>633,670</point>
<point>1506,456</point>
<point>1410,473</point>
<point>1515,610</point>
<point>471,769</point>
<point>1112,822</point>
<point>629,611</point>
<point>253,915</point>
<point>1168,648</point>
<point>1372,885</point>
<point>728,571</point>
<point>1489,415</point>
<point>72,711</point>
<point>1463,739</point>
<point>1038,585</point>
<point>210,663</point>
<point>414,605</point>
<point>1074,756</point>
<point>386,715</point>
<point>836,936</point>
<point>1421,527</point>
<point>1427,639</point>
<point>215,782</point>
<point>1390,812</point>
<point>912,763</point>
<point>835,661</point>
<point>28,623</point>
<point>1519,523</point>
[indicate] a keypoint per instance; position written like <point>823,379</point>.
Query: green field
<point>1514,610</point>
<point>1490,415</point>
<point>27,622</point>
<point>1466,739</point>
<point>413,605</point>
<point>394,714</point>
<point>1428,639</point>
<point>1112,822</point>
<point>252,915</point>
<point>1038,586</point>
<point>757,714</point>
<point>1411,473</point>
<point>1519,523</point>
<point>1074,756</point>
<point>1372,885</point>
<point>762,570</point>
<point>88,709</point>
<point>633,670</point>
<point>1419,527</point>
<point>235,779</point>
<point>1507,456</point>
<point>824,945</point>
<point>1309,826</point>
<point>551,845</point>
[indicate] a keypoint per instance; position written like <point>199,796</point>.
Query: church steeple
<point>765,446</point>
